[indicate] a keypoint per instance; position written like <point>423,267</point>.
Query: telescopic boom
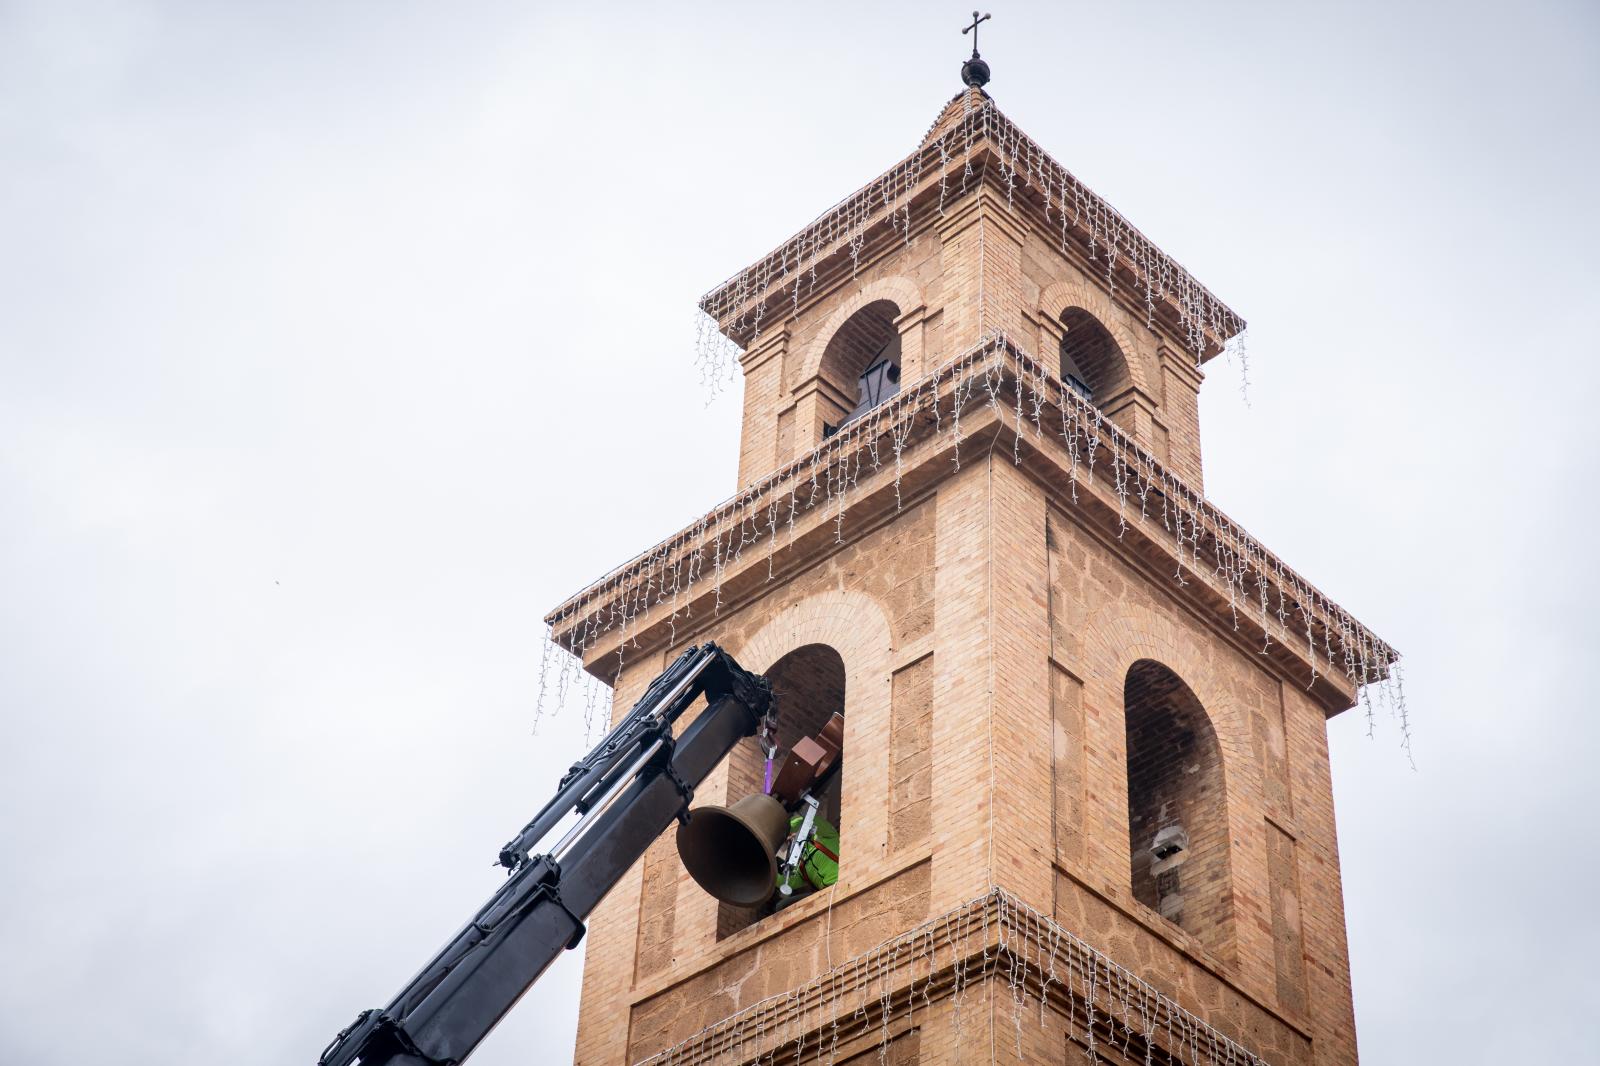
<point>626,791</point>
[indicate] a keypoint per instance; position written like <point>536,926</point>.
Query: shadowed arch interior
<point>809,685</point>
<point>1091,360</point>
<point>1175,782</point>
<point>866,338</point>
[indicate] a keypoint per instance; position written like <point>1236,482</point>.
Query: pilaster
<point>962,768</point>
<point>911,325</point>
<point>1180,407</point>
<point>763,366</point>
<point>1022,727</point>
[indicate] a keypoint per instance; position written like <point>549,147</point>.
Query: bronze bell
<point>731,851</point>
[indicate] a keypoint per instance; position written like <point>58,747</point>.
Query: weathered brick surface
<point>902,1050</point>
<point>657,907</point>
<point>911,756</point>
<point>1288,946</point>
<point>763,964</point>
<point>1067,763</point>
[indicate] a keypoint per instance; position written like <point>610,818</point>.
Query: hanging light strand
<point>680,583</point>
<point>925,181</point>
<point>992,944</point>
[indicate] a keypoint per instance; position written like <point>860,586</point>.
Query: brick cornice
<point>772,343</point>
<point>995,937</point>
<point>980,149</point>
<point>730,560</point>
<point>1181,366</point>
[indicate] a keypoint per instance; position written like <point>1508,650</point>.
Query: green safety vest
<point>819,859</point>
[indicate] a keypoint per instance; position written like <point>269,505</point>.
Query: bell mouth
<point>728,856</point>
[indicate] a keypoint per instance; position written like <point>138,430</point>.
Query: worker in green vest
<point>819,861</point>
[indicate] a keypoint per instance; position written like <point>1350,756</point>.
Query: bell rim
<point>721,811</point>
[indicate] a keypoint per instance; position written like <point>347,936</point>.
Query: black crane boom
<point>627,791</point>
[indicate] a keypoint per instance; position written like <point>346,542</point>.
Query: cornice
<point>981,146</point>
<point>994,937</point>
<point>809,508</point>
<point>1185,369</point>
<point>772,343</point>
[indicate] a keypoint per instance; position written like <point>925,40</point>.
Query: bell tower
<point>1084,803</point>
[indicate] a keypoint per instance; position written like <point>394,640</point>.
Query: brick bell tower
<point>1085,805</point>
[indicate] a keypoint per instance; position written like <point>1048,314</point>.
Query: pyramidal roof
<point>961,105</point>
<point>970,143</point>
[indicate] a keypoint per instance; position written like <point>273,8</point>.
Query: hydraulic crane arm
<point>627,790</point>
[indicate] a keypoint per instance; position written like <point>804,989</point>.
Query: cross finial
<point>975,72</point>
<point>973,29</point>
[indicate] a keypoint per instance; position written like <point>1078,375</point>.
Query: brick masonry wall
<point>1288,946</point>
<point>987,633</point>
<point>979,267</point>
<point>656,910</point>
<point>872,602</point>
<point>987,638</point>
<point>791,390</point>
<point>1107,614</point>
<point>1066,762</point>
<point>1162,410</point>
<point>911,756</point>
<point>758,966</point>
<point>902,1050</point>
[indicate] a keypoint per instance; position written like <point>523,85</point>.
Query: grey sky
<point>338,342</point>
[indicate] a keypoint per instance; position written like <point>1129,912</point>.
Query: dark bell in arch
<point>975,72</point>
<point>730,851</point>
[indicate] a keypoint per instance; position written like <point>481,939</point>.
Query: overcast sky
<point>340,342</point>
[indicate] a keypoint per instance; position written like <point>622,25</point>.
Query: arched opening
<point>1177,808</point>
<point>861,363</point>
<point>809,685</point>
<point>1091,361</point>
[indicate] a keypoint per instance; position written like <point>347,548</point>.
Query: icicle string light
<point>993,939</point>
<point>919,188</point>
<point>679,583</point>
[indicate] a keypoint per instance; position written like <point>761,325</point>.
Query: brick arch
<point>1116,638</point>
<point>1119,638</point>
<point>904,293</point>
<point>1064,294</point>
<point>856,626</point>
<point>853,623</point>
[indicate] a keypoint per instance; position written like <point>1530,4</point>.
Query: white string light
<point>687,572</point>
<point>805,264</point>
<point>993,938</point>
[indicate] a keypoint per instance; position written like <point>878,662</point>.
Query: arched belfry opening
<point>809,685</point>
<point>1092,363</point>
<point>1177,808</point>
<point>861,363</point>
